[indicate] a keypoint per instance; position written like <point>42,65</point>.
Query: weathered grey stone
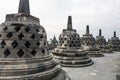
<point>52,44</point>
<point>102,44</point>
<point>114,42</point>
<point>88,44</point>
<point>105,68</point>
<point>69,51</point>
<point>24,7</point>
<point>23,49</point>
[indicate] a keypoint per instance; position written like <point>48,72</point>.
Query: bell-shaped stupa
<point>69,51</point>
<point>114,42</point>
<point>52,44</point>
<point>23,49</point>
<point>102,44</point>
<point>88,44</point>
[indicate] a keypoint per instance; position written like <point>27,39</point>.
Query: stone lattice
<point>69,51</point>
<point>52,44</point>
<point>88,44</point>
<point>102,44</point>
<point>23,49</point>
<point>114,42</point>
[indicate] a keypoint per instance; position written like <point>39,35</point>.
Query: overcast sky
<point>53,14</point>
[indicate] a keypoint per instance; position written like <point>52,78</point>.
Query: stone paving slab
<point>104,68</point>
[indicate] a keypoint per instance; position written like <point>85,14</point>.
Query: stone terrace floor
<point>104,68</point>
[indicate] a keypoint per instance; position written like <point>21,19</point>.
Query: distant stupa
<point>114,42</point>
<point>69,51</point>
<point>100,40</point>
<point>102,44</point>
<point>52,44</point>
<point>88,44</point>
<point>23,49</point>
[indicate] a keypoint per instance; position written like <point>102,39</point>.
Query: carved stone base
<point>72,58</point>
<point>115,49</point>
<point>44,68</point>
<point>106,51</point>
<point>95,53</point>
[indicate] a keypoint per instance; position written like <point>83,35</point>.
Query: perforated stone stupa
<point>102,44</point>
<point>88,44</point>
<point>114,42</point>
<point>23,49</point>
<point>69,51</point>
<point>52,44</point>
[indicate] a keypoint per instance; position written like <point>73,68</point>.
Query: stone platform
<point>104,68</point>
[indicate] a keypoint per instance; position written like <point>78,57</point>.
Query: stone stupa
<point>102,44</point>
<point>88,44</point>
<point>114,42</point>
<point>23,49</point>
<point>52,44</point>
<point>69,51</point>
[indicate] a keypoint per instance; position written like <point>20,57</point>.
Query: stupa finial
<point>100,32</point>
<point>69,25</point>
<point>54,38</point>
<point>114,33</point>
<point>24,7</point>
<point>87,29</point>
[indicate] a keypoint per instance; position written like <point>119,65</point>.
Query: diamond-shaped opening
<point>27,44</point>
<point>27,29</point>
<point>9,35</point>
<point>17,28</point>
<point>72,41</point>
<point>5,28</point>
<point>33,52</point>
<point>21,36</point>
<point>37,30</point>
<point>33,36</point>
<point>3,44</point>
<point>0,35</point>
<point>6,52</point>
<point>38,44</point>
<point>14,44</point>
<point>70,45</point>
<point>43,51</point>
<point>41,36</point>
<point>65,44</point>
<point>44,43</point>
<point>20,53</point>
<point>74,45</point>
